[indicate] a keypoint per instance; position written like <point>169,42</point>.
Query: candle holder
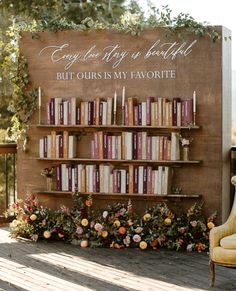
<point>114,118</point>
<point>39,114</point>
<point>123,115</point>
<point>194,118</point>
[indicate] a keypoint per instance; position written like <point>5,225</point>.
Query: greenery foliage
<point>116,226</point>
<point>59,15</point>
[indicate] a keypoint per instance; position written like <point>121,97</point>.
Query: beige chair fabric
<point>223,242</point>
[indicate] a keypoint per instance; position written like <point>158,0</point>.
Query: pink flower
<point>126,241</point>
<point>34,237</point>
<point>138,229</point>
<point>136,238</point>
<point>79,230</point>
<point>98,227</point>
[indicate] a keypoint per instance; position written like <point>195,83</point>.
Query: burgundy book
<point>100,113</point>
<point>149,148</point>
<point>135,179</point>
<point>145,179</point>
<point>48,112</point>
<point>97,181</point>
<point>148,116</point>
<point>135,146</point>
<point>149,180</point>
<point>90,112</point>
<point>139,145</point>
<point>118,181</point>
<point>135,115</point>
<point>61,150</point>
<point>127,182</point>
<point>105,145</point>
<point>69,169</point>
<point>45,146</point>
<point>76,178</point>
<point>52,111</point>
<point>115,180</point>
<point>183,122</point>
<point>139,113</point>
<point>58,178</point>
<point>109,146</point>
<point>61,119</point>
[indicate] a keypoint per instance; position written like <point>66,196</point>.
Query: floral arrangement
<point>116,226</point>
<point>186,141</point>
<point>47,172</point>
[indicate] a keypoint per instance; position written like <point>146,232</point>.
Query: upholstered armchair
<point>223,242</point>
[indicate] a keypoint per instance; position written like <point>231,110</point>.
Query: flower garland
<point>117,226</point>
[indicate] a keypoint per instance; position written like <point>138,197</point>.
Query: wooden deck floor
<point>57,266</point>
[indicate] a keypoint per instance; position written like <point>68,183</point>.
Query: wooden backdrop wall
<point>199,65</point>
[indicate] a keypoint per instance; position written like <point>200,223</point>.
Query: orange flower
<point>89,202</point>
<point>143,245</point>
<point>84,243</point>
<point>200,247</point>
<point>154,243</point>
<point>122,230</point>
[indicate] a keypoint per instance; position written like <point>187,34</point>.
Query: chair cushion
<point>228,242</point>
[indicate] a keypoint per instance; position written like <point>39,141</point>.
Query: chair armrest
<point>218,232</point>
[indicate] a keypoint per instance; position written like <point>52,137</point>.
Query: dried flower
<point>47,172</point>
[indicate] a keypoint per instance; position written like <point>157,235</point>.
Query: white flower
<point>105,213</point>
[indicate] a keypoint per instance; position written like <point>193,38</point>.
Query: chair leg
<point>212,272</point>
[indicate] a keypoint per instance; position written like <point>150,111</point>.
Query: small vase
<point>49,183</point>
<point>186,153</point>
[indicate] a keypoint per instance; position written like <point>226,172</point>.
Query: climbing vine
<point>23,101</point>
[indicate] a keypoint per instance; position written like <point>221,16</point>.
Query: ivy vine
<point>133,21</point>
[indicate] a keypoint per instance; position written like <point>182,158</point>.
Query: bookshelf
<point>204,176</point>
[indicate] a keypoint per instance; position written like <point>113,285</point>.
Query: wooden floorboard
<point>56,266</point>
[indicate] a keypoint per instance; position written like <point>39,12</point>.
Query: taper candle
<point>40,96</point>
<point>194,102</point>
<point>123,97</point>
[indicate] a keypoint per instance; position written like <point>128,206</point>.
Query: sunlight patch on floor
<point>105,273</point>
<point>31,279</point>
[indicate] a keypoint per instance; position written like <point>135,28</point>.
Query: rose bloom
<point>84,244</point>
<point>104,214</point>
<point>116,223</point>
<point>138,229</point>
<point>210,225</point>
<point>126,241</point>
<point>167,221</point>
<point>34,237</point>
<point>92,223</point>
<point>190,247</point>
<point>104,233</point>
<point>79,230</point>
<point>84,221</point>
<point>147,217</point>
<point>193,223</point>
<point>89,202</point>
<point>14,223</point>
<point>98,227</point>
<point>122,230</point>
<point>143,245</point>
<point>136,238</point>
<point>33,217</point>
<point>47,234</point>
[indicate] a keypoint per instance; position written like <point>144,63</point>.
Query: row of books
<point>107,179</point>
<point>58,146</point>
<point>135,146</point>
<point>152,112</point>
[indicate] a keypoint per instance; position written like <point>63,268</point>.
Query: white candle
<point>39,96</point>
<point>194,102</point>
<point>123,97</point>
<point>115,97</point>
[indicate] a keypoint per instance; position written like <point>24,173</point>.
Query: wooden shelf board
<point>88,160</point>
<point>112,127</point>
<point>123,195</point>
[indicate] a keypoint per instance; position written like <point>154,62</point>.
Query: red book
<point>127,182</point>
<point>45,146</point>
<point>97,181</point>
<point>61,121</point>
<point>139,113</point>
<point>100,113</point>
<point>90,112</point>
